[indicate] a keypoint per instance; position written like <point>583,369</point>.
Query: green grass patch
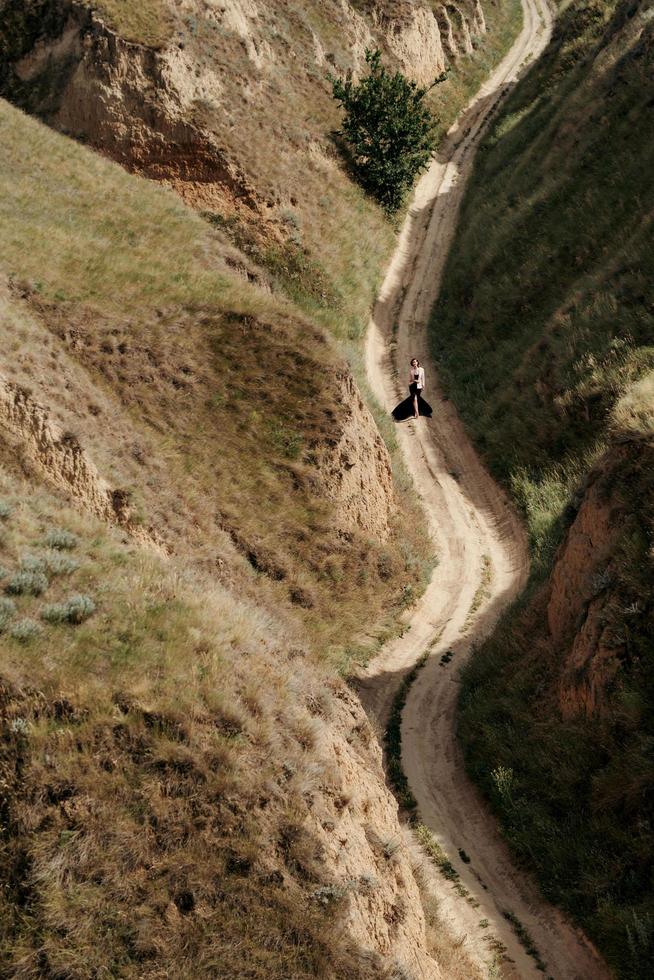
<point>525,939</point>
<point>393,742</point>
<point>436,853</point>
<point>482,593</point>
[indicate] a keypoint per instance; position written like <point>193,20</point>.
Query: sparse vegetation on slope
<point>167,750</point>
<point>544,338</point>
<point>148,22</point>
<point>155,810</point>
<point>222,396</point>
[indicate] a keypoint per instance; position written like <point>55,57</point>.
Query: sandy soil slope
<point>482,565</point>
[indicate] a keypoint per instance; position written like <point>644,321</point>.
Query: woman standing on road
<point>415,405</point>
<point>416,383</point>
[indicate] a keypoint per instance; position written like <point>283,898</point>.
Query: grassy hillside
<point>322,242</point>
<point>545,315</point>
<point>198,395</point>
<point>229,84</point>
<point>154,810</point>
<point>545,340</point>
<point>166,748</point>
<point>170,710</point>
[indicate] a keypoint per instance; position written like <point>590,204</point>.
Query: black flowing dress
<point>405,410</point>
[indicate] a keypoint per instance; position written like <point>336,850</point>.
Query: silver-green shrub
<point>74,610</point>
<point>27,583</point>
<point>58,564</point>
<point>32,563</point>
<point>61,539</point>
<point>25,630</point>
<point>51,562</point>
<point>7,610</point>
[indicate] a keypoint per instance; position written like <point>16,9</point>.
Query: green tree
<point>389,130</point>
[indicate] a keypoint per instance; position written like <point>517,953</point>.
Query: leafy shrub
<point>25,630</point>
<point>73,610</point>
<point>5,510</point>
<point>290,217</point>
<point>330,894</point>
<point>58,564</point>
<point>389,130</point>
<point>7,610</point>
<point>32,563</point>
<point>61,539</point>
<point>52,562</point>
<point>27,582</point>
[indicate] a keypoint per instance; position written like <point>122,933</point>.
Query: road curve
<point>480,543</point>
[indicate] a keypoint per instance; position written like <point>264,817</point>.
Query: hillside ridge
<point>543,340</point>
<point>171,715</point>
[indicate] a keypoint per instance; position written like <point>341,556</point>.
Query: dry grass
<point>150,826</point>
<point>634,412</point>
<point>148,22</point>
<point>219,396</point>
<point>160,759</point>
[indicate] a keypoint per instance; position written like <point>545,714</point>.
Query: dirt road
<point>482,565</point>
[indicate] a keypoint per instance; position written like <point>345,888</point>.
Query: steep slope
<point>544,335</point>
<point>188,789</point>
<point>182,793</point>
<point>198,95</point>
<point>184,789</point>
<point>195,394</point>
<point>131,81</point>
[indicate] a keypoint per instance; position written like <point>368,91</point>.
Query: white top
<point>420,371</point>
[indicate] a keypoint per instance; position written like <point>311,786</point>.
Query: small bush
<point>61,539</point>
<point>32,563</point>
<point>7,610</point>
<point>5,510</point>
<point>3,572</point>
<point>367,883</point>
<point>58,564</point>
<point>53,563</point>
<point>290,217</point>
<point>331,894</point>
<point>25,630</point>
<point>27,582</point>
<point>74,610</point>
<point>19,726</point>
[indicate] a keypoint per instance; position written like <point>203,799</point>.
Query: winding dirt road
<point>482,566</point>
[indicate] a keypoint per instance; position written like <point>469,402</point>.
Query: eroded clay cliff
<point>194,110</point>
<point>595,605</point>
